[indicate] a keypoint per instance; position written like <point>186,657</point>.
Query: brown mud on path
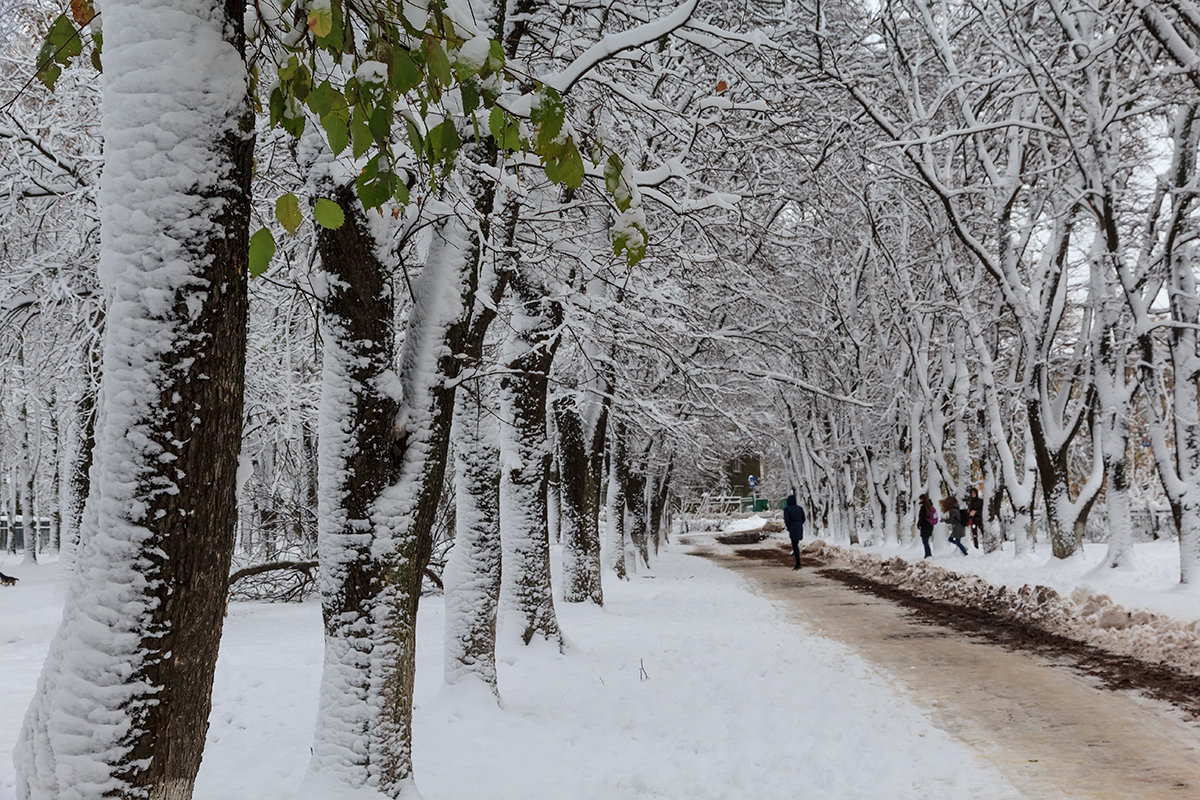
<point>1033,704</point>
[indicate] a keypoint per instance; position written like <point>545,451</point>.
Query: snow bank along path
<point>1083,615</point>
<point>1051,731</point>
<point>684,685</point>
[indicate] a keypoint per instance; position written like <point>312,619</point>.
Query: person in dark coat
<point>793,519</point>
<point>957,520</point>
<point>925,522</point>
<point>975,515</point>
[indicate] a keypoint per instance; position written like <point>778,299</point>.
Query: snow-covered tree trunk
<point>1114,395</point>
<point>850,518</point>
<point>472,575</point>
<point>525,463</point>
<point>1185,357</point>
<point>378,537</point>
<point>554,499</point>
<point>354,466</point>
<point>632,476</point>
<point>660,491</point>
<point>404,515</point>
<point>614,513</point>
<point>29,520</point>
<point>121,708</point>
<point>580,476</point>
<point>58,477</point>
<point>916,481</point>
<point>78,481</point>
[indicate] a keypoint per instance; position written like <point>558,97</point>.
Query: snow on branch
<point>615,43</point>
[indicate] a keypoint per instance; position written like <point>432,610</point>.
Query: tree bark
<point>615,512</point>
<point>633,486</point>
<point>473,573</point>
<point>580,477</point>
<point>404,423</point>
<point>124,715</point>
<point>525,454</point>
<point>354,452</point>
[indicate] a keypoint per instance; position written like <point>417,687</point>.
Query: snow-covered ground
<point>684,685</point>
<point>1152,583</point>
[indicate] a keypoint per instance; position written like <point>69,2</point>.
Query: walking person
<point>975,515</point>
<point>793,519</point>
<point>955,517</point>
<point>926,517</point>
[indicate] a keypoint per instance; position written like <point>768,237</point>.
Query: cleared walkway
<point>1052,732</point>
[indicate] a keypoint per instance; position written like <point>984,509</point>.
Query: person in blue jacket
<point>793,520</point>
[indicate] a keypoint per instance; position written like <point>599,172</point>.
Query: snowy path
<point>685,685</point>
<point>1050,731</point>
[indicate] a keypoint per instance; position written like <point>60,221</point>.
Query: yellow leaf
<point>320,22</point>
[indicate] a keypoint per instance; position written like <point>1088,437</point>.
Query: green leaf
<point>470,98</point>
<point>495,59</point>
<point>612,173</point>
<point>360,134</point>
<point>414,137</point>
<point>287,211</point>
<point>328,214</point>
<point>505,131</point>
<point>442,142</point>
<point>547,117</point>
<point>612,181</point>
<point>631,239</point>
<point>380,123</point>
<point>293,125</point>
<point>371,191</point>
<point>374,188</point>
<point>333,40</point>
<point>337,129</point>
<point>276,106</point>
<point>567,169</point>
<point>262,250</point>
<point>323,98</point>
<point>405,75</point>
<point>97,48</point>
<point>439,64</point>
<point>62,43</point>
<point>288,70</point>
<point>301,83</point>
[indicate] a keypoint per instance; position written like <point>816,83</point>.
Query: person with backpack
<point>926,519</point>
<point>957,520</point>
<point>793,520</point>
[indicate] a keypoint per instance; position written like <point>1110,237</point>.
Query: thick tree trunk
<point>124,714</point>
<point>404,515</point>
<point>79,480</point>
<point>580,514</point>
<point>354,458</point>
<point>615,513</point>
<point>372,566</point>
<point>1053,478</point>
<point>658,508</point>
<point>525,454</point>
<point>472,576</point>
<point>633,487</point>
